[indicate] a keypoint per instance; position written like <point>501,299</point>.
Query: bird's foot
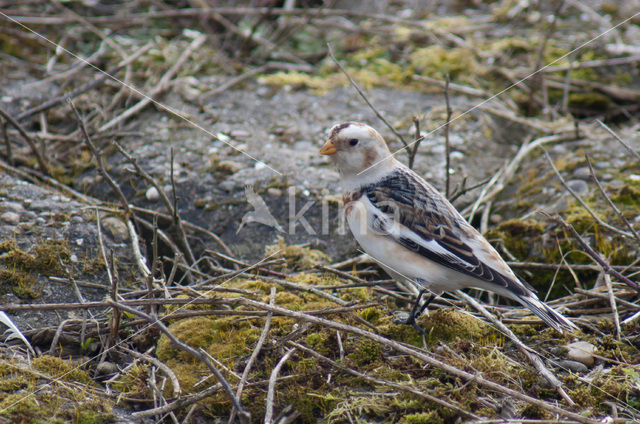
<point>408,318</point>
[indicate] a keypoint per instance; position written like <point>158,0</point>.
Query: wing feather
<point>418,217</point>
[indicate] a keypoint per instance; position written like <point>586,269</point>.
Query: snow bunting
<point>413,231</point>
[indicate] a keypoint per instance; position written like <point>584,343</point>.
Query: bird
<point>415,234</point>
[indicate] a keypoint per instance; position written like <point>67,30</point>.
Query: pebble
<point>152,194</point>
<point>115,228</point>
<point>573,366</point>
<point>582,173</point>
<point>10,218</point>
<point>12,207</point>
<point>106,368</point>
<point>272,191</point>
<point>229,167</point>
<point>581,352</point>
<point>580,187</point>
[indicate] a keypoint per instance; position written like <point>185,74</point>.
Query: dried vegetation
<point>294,338</point>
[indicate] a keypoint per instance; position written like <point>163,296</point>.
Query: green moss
<point>322,342</point>
<point>297,257</point>
<point>436,61</point>
<point>628,194</point>
<point>372,315</point>
<point>60,369</point>
<point>363,352</point>
<point>133,382</point>
<point>224,338</point>
<point>43,258</point>
<point>22,284</point>
<point>430,417</point>
<point>592,101</point>
<point>517,235</point>
<point>50,391</point>
<point>450,324</point>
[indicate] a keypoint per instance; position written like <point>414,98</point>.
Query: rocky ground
<point>236,127</point>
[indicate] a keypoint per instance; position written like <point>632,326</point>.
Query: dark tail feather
<point>546,314</point>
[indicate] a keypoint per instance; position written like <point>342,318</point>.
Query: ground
<point>248,258</point>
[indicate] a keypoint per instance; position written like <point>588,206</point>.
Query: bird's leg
<point>417,310</point>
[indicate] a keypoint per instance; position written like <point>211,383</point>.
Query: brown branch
<point>594,255</point>
<point>610,202</point>
<point>364,97</point>
<point>380,381</point>
<point>531,355</point>
<point>42,163</point>
<point>413,150</point>
<point>158,88</point>
<point>101,167</point>
<point>423,356</point>
<point>620,140</point>
<point>582,202</point>
<point>575,267</point>
<point>85,87</point>
<point>447,146</point>
<point>199,354</point>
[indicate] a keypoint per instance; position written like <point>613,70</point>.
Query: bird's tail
<point>545,313</point>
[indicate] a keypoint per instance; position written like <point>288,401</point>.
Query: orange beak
<point>328,149</point>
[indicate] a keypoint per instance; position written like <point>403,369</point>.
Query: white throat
<point>371,175</point>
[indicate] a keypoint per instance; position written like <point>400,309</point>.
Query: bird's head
<point>357,148</point>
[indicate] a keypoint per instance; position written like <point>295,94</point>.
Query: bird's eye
<point>353,142</point>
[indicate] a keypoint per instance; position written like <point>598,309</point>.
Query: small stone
<point>496,218</point>
<point>573,366</point>
<point>10,218</point>
<point>580,187</point>
<point>582,173</point>
<point>106,368</point>
<point>12,207</point>
<point>152,194</point>
<point>240,134</point>
<point>74,258</point>
<point>115,228</point>
<point>272,191</point>
<point>581,352</point>
<point>229,167</point>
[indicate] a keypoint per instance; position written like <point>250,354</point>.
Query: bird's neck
<point>352,182</point>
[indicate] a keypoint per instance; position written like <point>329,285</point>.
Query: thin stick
<point>255,353</point>
<point>413,150</point>
<point>161,86</point>
<point>594,255</point>
<point>423,356</point>
<point>101,167</point>
<point>610,202</point>
<point>582,202</point>
<point>268,415</point>
<point>614,306</point>
<point>575,267</point>
<point>524,349</point>
<point>447,146</point>
<point>85,87</point>
<point>620,140</point>
<point>189,225</point>
<point>161,365</point>
<point>364,97</point>
<point>406,388</point>
<point>7,142</point>
<point>42,163</point>
<point>500,179</point>
<point>244,415</point>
